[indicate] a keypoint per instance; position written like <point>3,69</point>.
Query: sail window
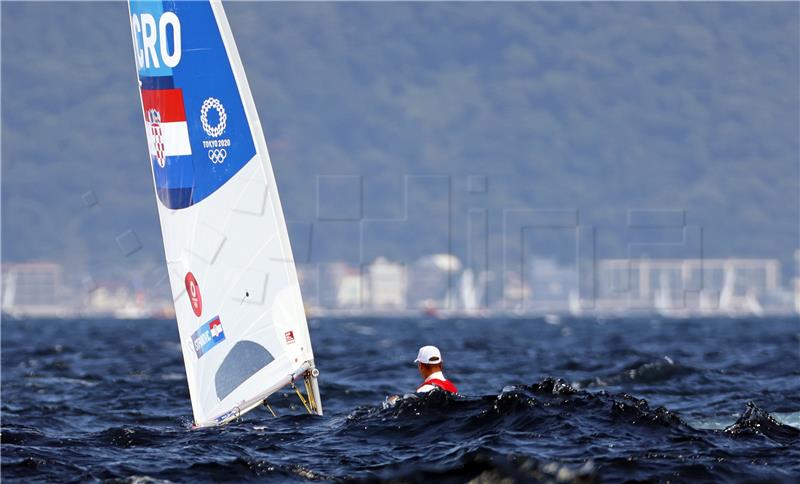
<point>245,359</point>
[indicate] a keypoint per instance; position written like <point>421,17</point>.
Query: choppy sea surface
<point>582,400</point>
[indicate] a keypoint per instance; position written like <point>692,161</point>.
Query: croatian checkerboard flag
<point>167,131</point>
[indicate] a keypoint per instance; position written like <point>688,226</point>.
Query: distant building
<point>107,299</point>
<point>308,278</point>
<point>687,286</point>
<point>353,292</point>
<point>432,282</point>
<point>319,283</point>
<point>34,289</point>
<point>115,299</point>
<point>387,285</point>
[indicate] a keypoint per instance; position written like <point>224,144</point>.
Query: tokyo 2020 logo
<point>215,104</point>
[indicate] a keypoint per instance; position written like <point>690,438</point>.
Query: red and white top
<point>437,380</point>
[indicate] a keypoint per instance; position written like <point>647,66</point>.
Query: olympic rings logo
<point>217,155</point>
<point>213,131</point>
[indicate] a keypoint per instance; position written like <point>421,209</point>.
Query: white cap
<point>429,355</point>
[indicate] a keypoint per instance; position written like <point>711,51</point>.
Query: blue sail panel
<point>199,143</point>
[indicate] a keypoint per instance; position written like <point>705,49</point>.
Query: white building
<point>34,289</point>
<point>353,292</point>
<point>387,285</point>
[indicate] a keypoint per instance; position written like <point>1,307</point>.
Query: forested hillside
<point>378,115</point>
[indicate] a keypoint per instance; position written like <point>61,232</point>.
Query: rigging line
<point>310,392</point>
<point>266,404</point>
<point>300,395</point>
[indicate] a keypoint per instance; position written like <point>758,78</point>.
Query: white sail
<point>237,299</point>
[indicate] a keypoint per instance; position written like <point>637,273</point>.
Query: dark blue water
<point>583,400</point>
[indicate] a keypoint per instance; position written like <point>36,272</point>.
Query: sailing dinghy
<point>240,314</point>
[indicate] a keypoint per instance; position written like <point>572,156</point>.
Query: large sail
<point>237,299</point>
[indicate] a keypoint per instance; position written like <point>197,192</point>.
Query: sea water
<point>571,400</point>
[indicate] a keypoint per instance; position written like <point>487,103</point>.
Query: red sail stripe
<point>168,103</point>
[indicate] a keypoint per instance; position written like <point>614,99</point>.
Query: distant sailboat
<point>469,296</point>
<point>663,296</point>
<point>240,314</point>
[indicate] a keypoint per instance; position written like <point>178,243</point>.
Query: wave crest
<point>756,421</point>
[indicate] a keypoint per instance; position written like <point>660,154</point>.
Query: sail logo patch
<point>289,337</point>
<point>193,290</point>
<point>234,412</point>
<point>219,128</point>
<point>215,128</point>
<point>208,336</point>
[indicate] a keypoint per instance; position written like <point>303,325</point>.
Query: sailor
<point>429,361</point>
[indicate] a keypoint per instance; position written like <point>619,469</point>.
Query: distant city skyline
<point>439,285</point>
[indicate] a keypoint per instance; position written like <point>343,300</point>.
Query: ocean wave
<point>756,421</point>
<point>246,469</point>
<point>22,435</point>
<point>126,437</point>
<point>549,403</point>
<point>659,370</point>
<point>488,466</point>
